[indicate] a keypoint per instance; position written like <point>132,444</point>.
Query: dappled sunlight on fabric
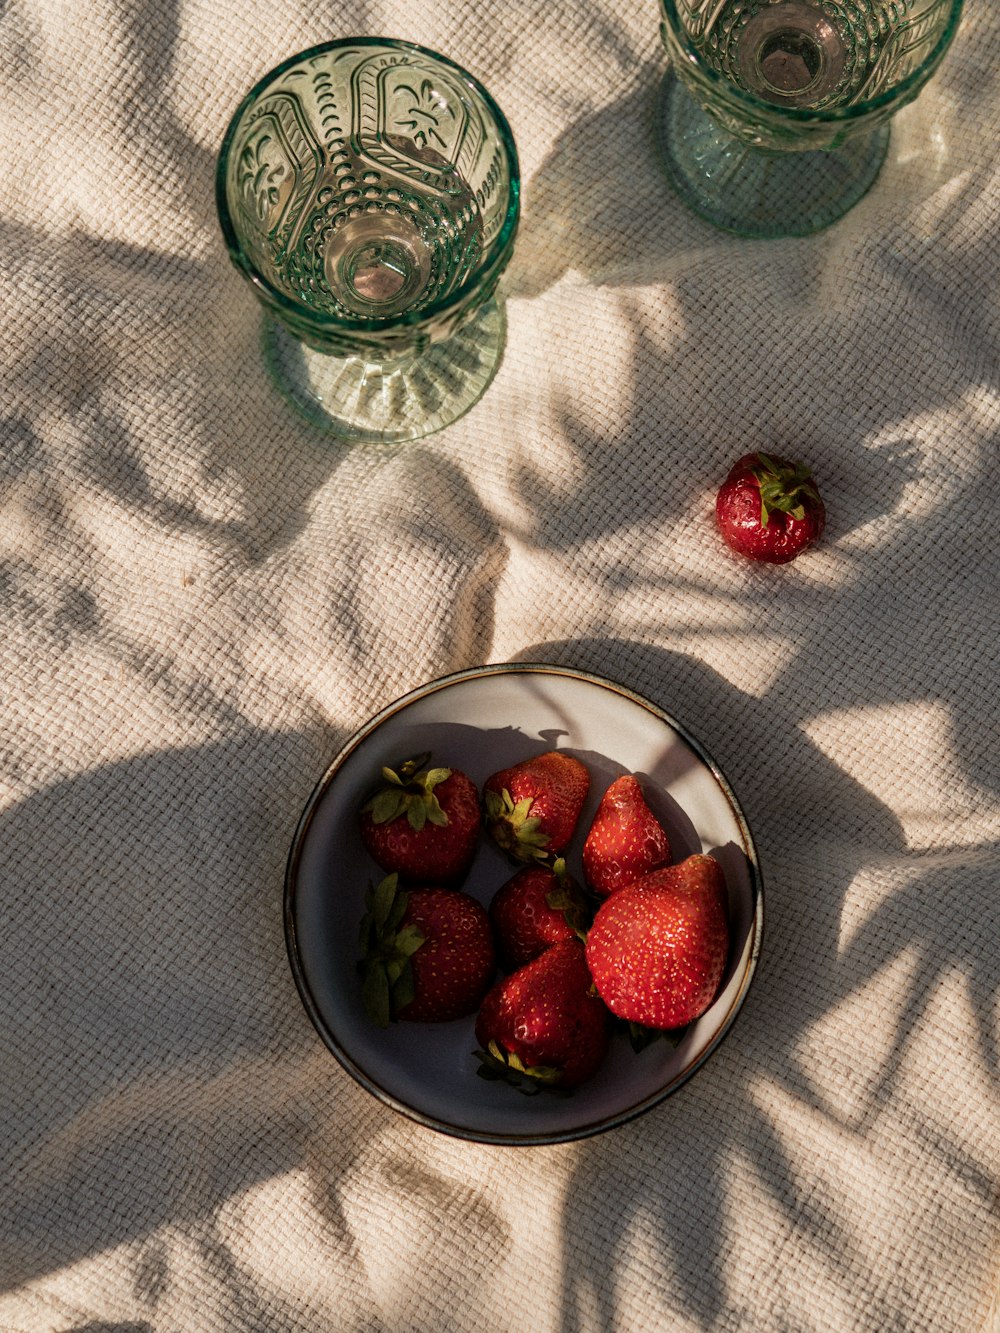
<point>952,1021</point>
<point>309,1261</point>
<point>599,383</point>
<point>429,1201</point>
<point>801,1241</point>
<point>202,596</point>
<point>846,1053</point>
<point>853,1186</point>
<point>914,768</point>
<point>407,593</point>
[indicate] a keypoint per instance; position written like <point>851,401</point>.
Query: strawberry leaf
<point>409,768</point>
<point>403,989</point>
<point>375,994</point>
<point>513,828</point>
<point>396,912</point>
<point>408,940</point>
<point>409,789</point>
<point>567,899</point>
<point>640,1037</point>
<point>385,805</point>
<point>786,487</point>
<point>433,811</point>
<point>383,900</point>
<point>497,1064</point>
<point>416,813</point>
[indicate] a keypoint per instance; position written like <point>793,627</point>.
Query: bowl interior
<point>482,721</point>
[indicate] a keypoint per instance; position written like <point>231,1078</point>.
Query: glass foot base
<point>403,399</point>
<point>752,191</point>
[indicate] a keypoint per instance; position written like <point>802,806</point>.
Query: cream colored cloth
<point>201,597</point>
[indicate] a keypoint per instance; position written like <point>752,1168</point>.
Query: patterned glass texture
<point>369,190</point>
<point>803,74</point>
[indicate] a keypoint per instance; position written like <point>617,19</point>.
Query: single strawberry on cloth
<point>203,596</point>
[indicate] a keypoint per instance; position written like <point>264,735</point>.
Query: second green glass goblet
<point>369,191</point>
<point>774,115</point>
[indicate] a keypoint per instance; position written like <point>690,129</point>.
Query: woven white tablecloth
<point>202,596</point>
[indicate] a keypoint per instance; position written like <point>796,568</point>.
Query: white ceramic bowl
<point>483,720</point>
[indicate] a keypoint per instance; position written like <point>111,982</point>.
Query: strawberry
<point>769,508</point>
<point>423,823</point>
<point>538,906</point>
<point>625,840</point>
<point>543,1026</point>
<point>658,947</point>
<point>533,807</point>
<point>428,953</point>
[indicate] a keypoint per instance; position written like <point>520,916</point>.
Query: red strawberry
<point>423,823</point>
<point>532,808</point>
<point>658,947</point>
<point>538,906</point>
<point>769,508</point>
<point>428,953</point>
<point>625,840</point>
<point>543,1026</point>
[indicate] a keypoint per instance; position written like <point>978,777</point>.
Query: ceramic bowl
<point>482,720</point>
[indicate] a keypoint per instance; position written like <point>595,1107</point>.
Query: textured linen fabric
<point>202,596</point>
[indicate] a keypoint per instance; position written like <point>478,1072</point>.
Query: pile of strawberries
<point>641,944</point>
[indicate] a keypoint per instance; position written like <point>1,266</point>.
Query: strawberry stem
<point>786,487</point>
<point>387,946</point>
<point>496,1064</point>
<point>408,789</point>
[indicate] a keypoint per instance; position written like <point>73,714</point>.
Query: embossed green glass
<point>368,189</point>
<point>774,114</point>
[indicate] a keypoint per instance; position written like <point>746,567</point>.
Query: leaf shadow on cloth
<point>145,338</point>
<point>673,1177</point>
<point>156,1058</point>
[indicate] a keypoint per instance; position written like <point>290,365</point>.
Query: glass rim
<point>406,318</point>
<point>806,115</point>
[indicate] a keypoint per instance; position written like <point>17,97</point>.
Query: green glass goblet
<point>774,114</point>
<point>368,189</point>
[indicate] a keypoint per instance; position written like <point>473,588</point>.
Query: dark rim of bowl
<point>491,260</point>
<point>329,1038</point>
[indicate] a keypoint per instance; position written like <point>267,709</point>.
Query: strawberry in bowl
<point>532,807</point>
<point>422,823</point>
<point>428,953</point>
<point>543,1026</point>
<point>625,840</point>
<point>538,906</point>
<point>658,947</point>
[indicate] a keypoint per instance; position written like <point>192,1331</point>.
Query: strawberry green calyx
<point>496,1064</point>
<point>567,898</point>
<point>640,1037</point>
<point>513,828</point>
<point>387,947</point>
<point>409,790</point>
<point>787,487</point>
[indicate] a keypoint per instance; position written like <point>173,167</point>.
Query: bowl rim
<point>729,93</point>
<point>492,259</point>
<point>313,1009</point>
